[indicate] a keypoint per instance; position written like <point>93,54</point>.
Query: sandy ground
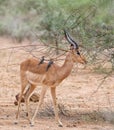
<point>82,107</point>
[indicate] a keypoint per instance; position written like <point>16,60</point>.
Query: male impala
<point>34,74</point>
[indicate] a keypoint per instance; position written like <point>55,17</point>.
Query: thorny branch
<point>32,49</point>
<point>101,83</point>
<point>9,58</point>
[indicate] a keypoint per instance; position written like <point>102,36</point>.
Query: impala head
<point>76,55</point>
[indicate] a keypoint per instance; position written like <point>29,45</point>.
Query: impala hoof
<point>16,122</point>
<point>60,124</point>
<point>31,123</point>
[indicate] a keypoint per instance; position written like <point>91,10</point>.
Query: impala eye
<point>78,52</point>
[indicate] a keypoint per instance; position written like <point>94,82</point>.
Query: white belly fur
<point>34,78</point>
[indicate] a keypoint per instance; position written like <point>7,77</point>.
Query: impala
<point>35,72</point>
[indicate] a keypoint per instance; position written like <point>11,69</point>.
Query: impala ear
<point>70,40</point>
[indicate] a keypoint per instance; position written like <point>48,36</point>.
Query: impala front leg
<point>43,91</point>
<point>53,93</point>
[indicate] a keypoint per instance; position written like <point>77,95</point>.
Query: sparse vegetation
<point>90,22</point>
<point>84,98</point>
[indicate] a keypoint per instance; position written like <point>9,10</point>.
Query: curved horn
<point>70,40</point>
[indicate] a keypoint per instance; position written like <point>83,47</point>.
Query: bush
<point>89,22</point>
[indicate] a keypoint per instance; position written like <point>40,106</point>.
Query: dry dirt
<point>81,106</point>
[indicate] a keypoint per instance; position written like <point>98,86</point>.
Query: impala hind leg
<point>43,91</point>
<point>24,85</point>
<point>27,98</point>
<point>20,98</point>
<point>53,93</point>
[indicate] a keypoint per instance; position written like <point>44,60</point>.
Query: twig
<point>32,51</point>
<point>9,58</point>
<point>104,78</point>
<point>14,47</point>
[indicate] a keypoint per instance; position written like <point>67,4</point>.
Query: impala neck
<point>67,66</point>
